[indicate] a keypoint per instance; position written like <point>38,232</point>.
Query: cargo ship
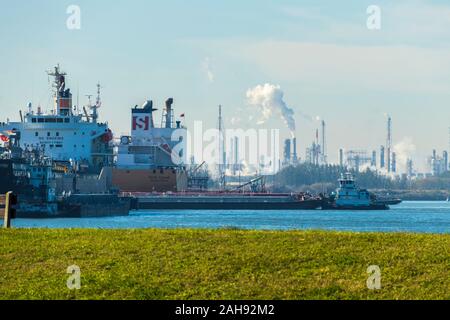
<point>59,162</point>
<point>66,133</point>
<point>146,160</point>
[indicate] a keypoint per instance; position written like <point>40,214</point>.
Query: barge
<point>225,201</point>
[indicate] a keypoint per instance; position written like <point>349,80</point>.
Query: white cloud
<point>337,67</point>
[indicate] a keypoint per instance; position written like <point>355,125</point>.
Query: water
<point>420,217</point>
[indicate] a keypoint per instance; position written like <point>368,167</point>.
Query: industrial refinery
<point>66,162</point>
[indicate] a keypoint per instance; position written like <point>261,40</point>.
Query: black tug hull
<point>332,206</point>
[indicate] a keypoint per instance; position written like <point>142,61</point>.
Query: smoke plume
<point>404,150</point>
<point>269,99</point>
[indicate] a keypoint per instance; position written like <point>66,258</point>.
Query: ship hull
<point>149,180</point>
<point>227,206</point>
<point>223,204</point>
<point>77,206</point>
<point>328,206</point>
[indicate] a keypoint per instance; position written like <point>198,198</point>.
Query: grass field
<point>222,264</point>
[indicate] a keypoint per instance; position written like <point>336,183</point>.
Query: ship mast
<point>97,105</point>
<point>62,96</point>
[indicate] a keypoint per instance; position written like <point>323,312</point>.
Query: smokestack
<point>394,162</point>
<point>287,151</point>
<point>374,159</point>
<point>382,164</point>
<point>169,113</point>
<point>409,167</point>
<point>236,155</point>
<point>324,143</point>
<point>389,143</point>
<point>294,145</point>
<point>445,159</point>
<point>148,107</point>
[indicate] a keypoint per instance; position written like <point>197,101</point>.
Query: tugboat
<point>349,197</point>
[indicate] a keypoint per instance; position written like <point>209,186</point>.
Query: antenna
<point>89,96</point>
<point>98,104</point>
<point>63,98</point>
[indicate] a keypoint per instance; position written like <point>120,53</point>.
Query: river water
<point>420,217</point>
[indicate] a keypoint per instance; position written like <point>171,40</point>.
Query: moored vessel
<point>66,133</point>
<point>349,197</point>
<point>147,160</point>
<point>59,162</point>
<point>227,201</point>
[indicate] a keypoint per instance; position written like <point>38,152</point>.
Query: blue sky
<point>205,53</point>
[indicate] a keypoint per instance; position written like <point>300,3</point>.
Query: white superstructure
<point>65,134</point>
<point>348,194</point>
<point>151,147</point>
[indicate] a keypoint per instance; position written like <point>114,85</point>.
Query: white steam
<point>269,99</point>
<point>404,150</point>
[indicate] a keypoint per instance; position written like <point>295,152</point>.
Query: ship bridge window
<point>59,120</point>
<point>57,134</point>
<point>33,120</point>
<point>66,120</point>
<point>40,120</point>
<point>36,134</point>
<point>48,134</point>
<point>50,120</point>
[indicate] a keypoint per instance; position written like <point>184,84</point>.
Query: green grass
<point>222,264</point>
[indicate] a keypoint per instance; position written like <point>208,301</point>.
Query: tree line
<point>323,178</point>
